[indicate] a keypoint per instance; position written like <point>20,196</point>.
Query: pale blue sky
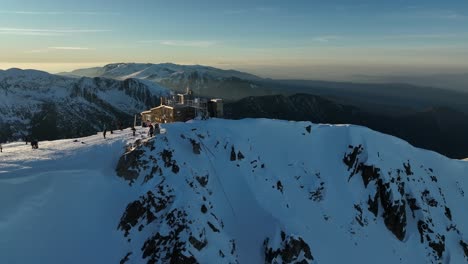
<point>272,38</point>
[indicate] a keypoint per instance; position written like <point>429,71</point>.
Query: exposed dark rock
<point>374,204</point>
<point>132,215</point>
<point>196,146</point>
<point>359,217</point>
<point>175,168</point>
<point>216,230</point>
<point>126,258</point>
<point>428,199</point>
<point>164,248</point>
<point>291,250</point>
<point>368,173</point>
<point>308,128</point>
<point>435,241</point>
<point>233,154</point>
<point>233,246</point>
<point>317,194</point>
<point>154,170</point>
<point>423,228</point>
<point>169,248</point>
<point>438,247</point>
<point>412,204</point>
<point>128,165</point>
<point>204,209</point>
<point>408,168</point>
<point>166,156</point>
<point>448,213</point>
<point>144,208</point>
<point>279,186</point>
<point>199,245</point>
<point>203,180</point>
<point>351,158</point>
<point>240,156</point>
<point>394,211</point>
<point>464,245</point>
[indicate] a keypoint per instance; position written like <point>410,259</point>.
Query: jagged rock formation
<point>209,193</point>
<point>289,250</point>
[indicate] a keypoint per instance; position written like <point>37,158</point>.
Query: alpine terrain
<point>204,80</point>
<point>48,106</point>
<point>245,191</point>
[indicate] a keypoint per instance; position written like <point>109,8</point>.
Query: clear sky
<point>274,38</point>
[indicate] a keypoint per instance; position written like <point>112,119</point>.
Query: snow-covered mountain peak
<point>17,74</point>
<point>157,72</point>
<point>204,80</point>
<point>222,191</point>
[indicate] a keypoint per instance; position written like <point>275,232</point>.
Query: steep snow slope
<point>248,191</point>
<point>38,103</point>
<point>59,203</point>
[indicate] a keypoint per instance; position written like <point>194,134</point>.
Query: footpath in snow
<point>61,203</point>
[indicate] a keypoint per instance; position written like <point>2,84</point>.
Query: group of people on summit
<point>152,129</point>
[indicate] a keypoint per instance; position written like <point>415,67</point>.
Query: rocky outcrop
<point>291,249</point>
<point>186,211</point>
<point>392,196</point>
<point>172,235</point>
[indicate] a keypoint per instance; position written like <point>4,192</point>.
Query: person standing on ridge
<point>151,130</point>
<point>1,149</point>
<point>104,131</point>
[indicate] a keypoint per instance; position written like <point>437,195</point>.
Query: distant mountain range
<point>440,129</point>
<point>389,98</point>
<point>46,106</point>
<point>79,103</point>
<point>204,80</point>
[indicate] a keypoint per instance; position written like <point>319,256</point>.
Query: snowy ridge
<point>158,72</point>
<point>204,80</point>
<point>223,191</point>
<point>28,96</point>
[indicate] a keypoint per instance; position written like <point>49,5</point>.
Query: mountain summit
<point>222,191</point>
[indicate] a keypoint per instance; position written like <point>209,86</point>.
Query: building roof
<point>162,106</point>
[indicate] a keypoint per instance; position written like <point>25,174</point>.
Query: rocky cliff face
<point>262,191</point>
<point>45,106</point>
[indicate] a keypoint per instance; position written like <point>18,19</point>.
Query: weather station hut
<point>183,107</point>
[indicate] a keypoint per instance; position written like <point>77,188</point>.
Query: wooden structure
<point>169,114</point>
